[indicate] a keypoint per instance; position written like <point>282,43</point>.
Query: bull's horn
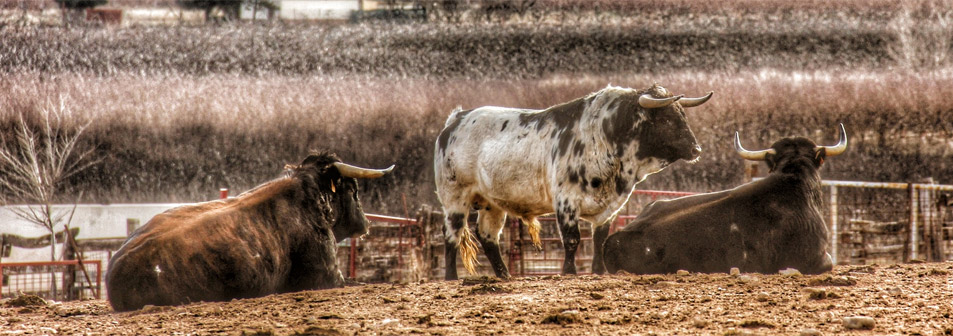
<point>347,170</point>
<point>649,102</point>
<point>840,147</point>
<point>751,155</point>
<point>692,102</point>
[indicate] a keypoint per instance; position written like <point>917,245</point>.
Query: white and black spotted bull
<point>580,159</point>
<point>763,226</point>
<point>279,237</point>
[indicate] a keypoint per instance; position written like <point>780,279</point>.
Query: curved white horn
<point>751,155</point>
<point>649,102</point>
<point>692,102</point>
<point>840,147</point>
<point>347,170</point>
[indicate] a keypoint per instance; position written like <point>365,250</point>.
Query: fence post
<point>99,279</point>
<point>131,225</point>
<point>834,229</point>
<point>352,257</point>
<point>914,204</point>
<point>923,201</point>
<point>519,227</point>
<point>751,170</point>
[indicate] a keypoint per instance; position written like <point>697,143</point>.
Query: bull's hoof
<point>480,280</point>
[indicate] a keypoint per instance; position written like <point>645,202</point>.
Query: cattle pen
<point>869,223</point>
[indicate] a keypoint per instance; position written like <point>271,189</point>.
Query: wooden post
<point>73,246</point>
<point>943,202</point>
<point>834,228</point>
<point>913,224</point>
<point>69,272</point>
<point>751,170</point>
<point>131,225</point>
<point>351,259</point>
<point>932,235</point>
<point>519,225</point>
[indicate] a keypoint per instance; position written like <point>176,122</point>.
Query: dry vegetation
<point>180,111</point>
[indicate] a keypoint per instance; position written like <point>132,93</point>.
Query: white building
<point>311,9</point>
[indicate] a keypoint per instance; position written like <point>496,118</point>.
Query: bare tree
<point>36,161</point>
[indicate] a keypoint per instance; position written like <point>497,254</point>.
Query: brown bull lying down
<point>763,226</point>
<point>278,237</point>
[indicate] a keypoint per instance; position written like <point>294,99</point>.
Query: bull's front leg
<point>568,217</point>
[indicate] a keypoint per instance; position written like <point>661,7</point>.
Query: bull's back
<point>132,279</point>
<point>186,255</point>
<point>488,150</point>
<point>713,232</point>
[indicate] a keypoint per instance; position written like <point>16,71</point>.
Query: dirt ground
<point>896,299</point>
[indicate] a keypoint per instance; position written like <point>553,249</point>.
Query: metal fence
<point>868,222</point>
<point>393,250</point>
<point>525,259</point>
<point>56,280</point>
<point>874,222</point>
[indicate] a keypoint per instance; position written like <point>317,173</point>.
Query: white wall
<point>93,221</point>
<point>317,9</point>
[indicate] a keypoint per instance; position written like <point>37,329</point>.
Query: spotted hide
<point>763,226</point>
<point>278,237</point>
<point>580,159</point>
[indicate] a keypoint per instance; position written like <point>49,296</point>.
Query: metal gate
<point>525,260</point>
<point>56,280</point>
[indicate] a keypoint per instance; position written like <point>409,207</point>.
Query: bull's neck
<point>802,180</point>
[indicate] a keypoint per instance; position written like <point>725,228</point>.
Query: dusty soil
<point>898,299</point>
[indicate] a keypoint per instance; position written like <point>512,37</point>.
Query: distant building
<point>312,9</point>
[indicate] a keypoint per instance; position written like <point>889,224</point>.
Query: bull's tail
<point>468,248</point>
<point>533,225</point>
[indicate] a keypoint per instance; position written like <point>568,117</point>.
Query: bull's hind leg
<point>458,240</point>
<point>568,217</point>
<point>490,222</point>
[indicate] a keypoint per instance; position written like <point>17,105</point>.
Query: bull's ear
<point>769,159</point>
<point>819,155</point>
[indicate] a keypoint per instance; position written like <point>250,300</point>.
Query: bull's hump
<point>453,122</point>
<point>563,116</point>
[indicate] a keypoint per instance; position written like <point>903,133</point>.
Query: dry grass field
<point>178,112</point>
<point>180,138</point>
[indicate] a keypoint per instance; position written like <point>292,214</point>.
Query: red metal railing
<point>34,277</point>
<point>530,262</point>
<point>401,222</point>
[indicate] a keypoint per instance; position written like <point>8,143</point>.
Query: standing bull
<point>763,226</point>
<point>580,159</point>
<point>278,237</point>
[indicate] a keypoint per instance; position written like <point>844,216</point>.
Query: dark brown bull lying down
<point>278,237</point>
<point>763,226</point>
